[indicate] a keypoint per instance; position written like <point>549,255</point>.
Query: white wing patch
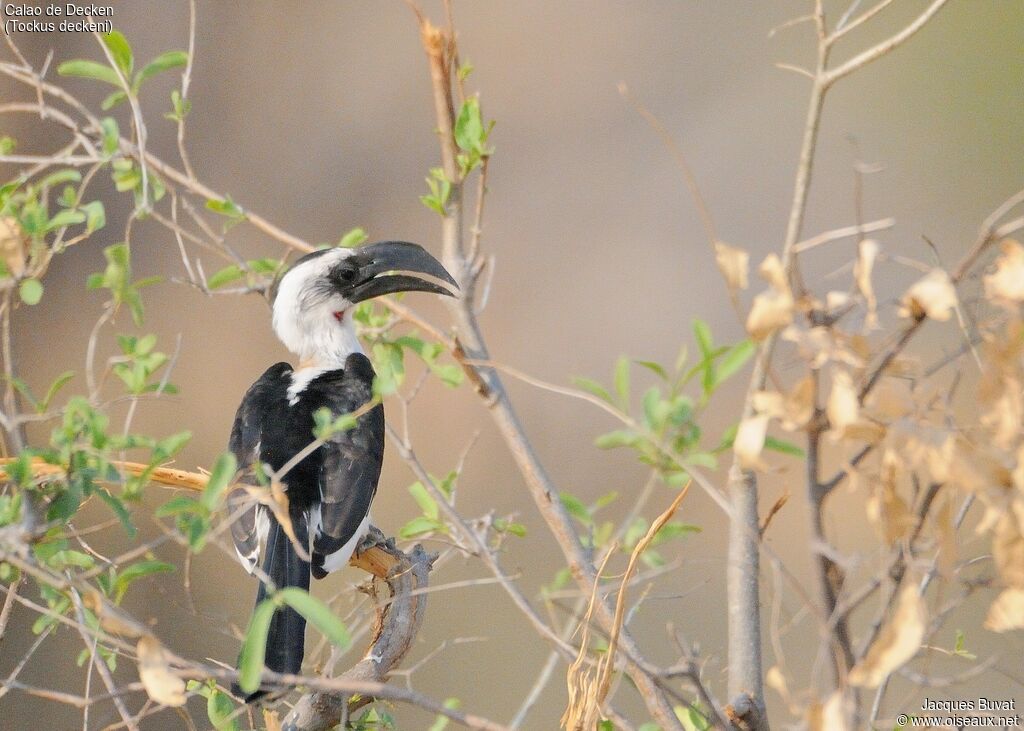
<point>249,561</point>
<point>338,559</point>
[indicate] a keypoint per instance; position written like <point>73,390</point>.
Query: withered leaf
<point>896,644</point>
<point>162,685</point>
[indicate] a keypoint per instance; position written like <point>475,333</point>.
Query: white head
<point>314,300</point>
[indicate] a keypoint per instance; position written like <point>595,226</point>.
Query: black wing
<point>251,521</point>
<point>350,469</point>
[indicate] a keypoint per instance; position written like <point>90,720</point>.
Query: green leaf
<point>113,99</point>
<point>622,382</point>
<point>228,274</point>
<point>118,46</point>
<point>178,505</point>
<point>702,333</point>
<point>64,218</point>
<point>227,208</point>
<point>734,359</point>
<point>254,647</point>
<point>575,507</point>
<point>593,387</point>
<point>618,438</point>
<point>57,384</point>
<point>95,216</point>
<point>469,128</point>
<point>60,176</point>
<point>111,135</point>
<point>784,447</point>
<point>441,722</point>
<point>137,571</point>
<point>220,711</point>
<point>420,525</point>
<point>30,291</point>
<point>7,144</point>
<point>427,504</point>
<point>89,70</point>
<point>120,510</point>
<point>163,62</point>
<point>353,238</point>
<point>653,367</point>
<point>223,472</point>
<point>317,614</point>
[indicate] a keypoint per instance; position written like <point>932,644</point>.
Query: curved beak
<point>398,256</point>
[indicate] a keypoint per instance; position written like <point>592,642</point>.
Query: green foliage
<point>255,272</point>
<point>353,238</point>
<point>374,719</point>
<point>194,517</point>
<point>117,278</point>
<point>254,647</point>
<point>39,210</point>
<point>326,424</point>
<point>693,717</point>
<point>441,722</point>
<point>219,706</point>
<point>471,136</point>
<point>430,520</point>
<point>40,406</point>
<point>179,107</point>
<point>440,190</point>
<point>231,211</point>
<point>122,68</point>
<point>139,364</point>
<point>960,649</point>
<point>30,291</point>
<point>666,434</point>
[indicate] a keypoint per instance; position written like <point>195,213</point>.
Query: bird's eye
<point>346,273</point>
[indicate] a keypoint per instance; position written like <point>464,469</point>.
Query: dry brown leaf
<point>843,408</point>
<point>891,399</point>
<point>945,534</point>
<point>835,299</point>
<point>1006,612</point>
<point>1008,550</point>
<point>896,644</point>
<point>772,309</point>
<point>1006,284</point>
<point>734,264</point>
<point>819,345</point>
<point>793,409</point>
<point>1006,414</point>
<point>12,246</point>
<point>162,685</point>
<point>830,715</point>
<point>772,271</point>
<point>867,251</point>
<point>931,296</point>
<point>749,442</point>
<point>775,680</point>
<point>111,618</point>
<point>887,511</point>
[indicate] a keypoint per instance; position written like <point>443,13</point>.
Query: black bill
<point>376,260</point>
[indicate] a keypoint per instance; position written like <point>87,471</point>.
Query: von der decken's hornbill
<point>330,491</point>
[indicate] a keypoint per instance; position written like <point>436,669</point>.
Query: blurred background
<point>318,116</point>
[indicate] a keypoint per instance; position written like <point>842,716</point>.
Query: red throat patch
<point>339,315</point>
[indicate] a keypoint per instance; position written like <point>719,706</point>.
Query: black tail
<point>286,638</point>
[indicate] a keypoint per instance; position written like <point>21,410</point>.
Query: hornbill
<point>329,492</point>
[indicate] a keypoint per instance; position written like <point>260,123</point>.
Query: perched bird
<point>329,491</point>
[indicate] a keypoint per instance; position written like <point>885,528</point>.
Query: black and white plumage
<point>330,491</point>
